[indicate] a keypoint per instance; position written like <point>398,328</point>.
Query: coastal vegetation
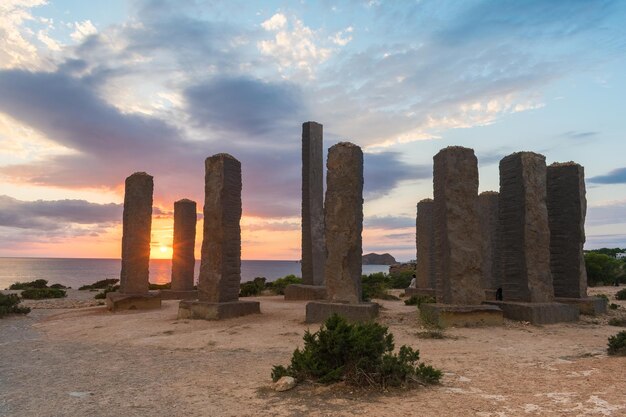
<point>360,354</point>
<point>39,289</point>
<point>617,344</point>
<point>376,285</point>
<point>9,304</point>
<point>604,268</point>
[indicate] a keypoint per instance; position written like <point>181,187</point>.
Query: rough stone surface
<point>488,215</point>
<point>183,260</point>
<point>117,301</point>
<point>425,243</point>
<point>319,311</point>
<point>220,266</point>
<point>206,310</point>
<point>567,207</point>
<point>178,295</point>
<point>344,222</point>
<point>428,292</point>
<point>285,384</point>
<point>446,315</point>
<point>590,306</point>
<point>136,228</point>
<point>537,313</point>
<point>313,243</point>
<point>524,230</point>
<point>402,267</point>
<point>458,250</point>
<point>299,292</point>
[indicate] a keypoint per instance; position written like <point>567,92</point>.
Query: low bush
<point>100,285</point>
<point>617,344</point>
<point>606,297</point>
<point>9,304</point>
<point>618,321</point>
<point>103,294</point>
<point>360,354</point>
<point>38,283</point>
<point>41,293</point>
<point>252,288</point>
<point>400,280</point>
<point>374,286</point>
<point>621,294</point>
<point>165,286</point>
<point>59,286</point>
<point>418,300</point>
<point>278,286</point>
<point>613,306</point>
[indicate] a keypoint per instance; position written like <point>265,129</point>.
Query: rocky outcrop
<point>378,259</point>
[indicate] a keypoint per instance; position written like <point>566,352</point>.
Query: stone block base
<point>318,311</point>
<point>179,295</point>
<point>426,292</point>
<point>590,306</point>
<point>537,313</point>
<point>117,301</point>
<point>205,310</point>
<point>446,315</point>
<point>490,295</point>
<point>299,292</point>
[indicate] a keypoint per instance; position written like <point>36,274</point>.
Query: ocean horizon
<point>74,272</point>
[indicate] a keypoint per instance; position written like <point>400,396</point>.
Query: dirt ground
<point>85,361</point>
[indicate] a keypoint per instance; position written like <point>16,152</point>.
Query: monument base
<point>425,292</point>
<point>117,301</point>
<point>179,295</point>
<point>490,295</point>
<point>319,311</point>
<point>205,310</point>
<point>537,313</point>
<point>446,315</point>
<point>299,292</point>
<point>590,306</point>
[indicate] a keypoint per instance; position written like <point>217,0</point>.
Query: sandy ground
<point>88,362</point>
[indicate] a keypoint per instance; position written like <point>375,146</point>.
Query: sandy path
<point>93,363</point>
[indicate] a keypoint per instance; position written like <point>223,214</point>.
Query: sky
<point>91,92</point>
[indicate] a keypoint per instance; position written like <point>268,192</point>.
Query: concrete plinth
<point>179,295</point>
<point>590,306</point>
<point>446,315</point>
<point>537,313</point>
<point>117,301</point>
<point>300,292</point>
<point>318,311</point>
<point>426,292</point>
<point>205,310</point>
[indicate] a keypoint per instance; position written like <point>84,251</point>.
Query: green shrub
<point>59,286</point>
<point>606,297</point>
<point>418,300</point>
<point>9,304</point>
<point>618,321</point>
<point>360,354</point>
<point>252,288</point>
<point>374,286</point>
<point>41,293</point>
<point>613,306</point>
<point>165,286</point>
<point>278,286</point>
<point>602,269</point>
<point>103,294</point>
<point>621,294</point>
<point>100,285</point>
<point>400,280</point>
<point>617,344</point>
<point>38,283</point>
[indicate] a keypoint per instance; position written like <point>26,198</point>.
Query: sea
<point>76,272</point>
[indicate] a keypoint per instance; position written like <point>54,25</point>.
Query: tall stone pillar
<point>136,229</point>
<point>425,254</point>
<point>183,260</point>
<point>524,238</point>
<point>567,207</point>
<point>313,242</point>
<point>488,216</point>
<point>343,217</point>
<point>220,265</point>
<point>525,230</point>
<point>458,250</point>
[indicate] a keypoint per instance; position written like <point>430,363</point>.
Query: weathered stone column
<point>313,243</point>
<point>488,215</point>
<point>525,231</point>
<point>136,229</point>
<point>458,250</point>
<point>343,216</point>
<point>425,254</point>
<point>183,260</point>
<point>567,208</point>
<point>220,265</point>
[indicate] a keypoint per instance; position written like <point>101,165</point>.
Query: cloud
<point>56,215</point>
<point>383,171</point>
<point>389,222</point>
<point>612,213</point>
<point>276,22</point>
<point>616,176</point>
<point>82,30</point>
<point>573,134</point>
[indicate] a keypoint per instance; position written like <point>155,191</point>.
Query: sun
<point>163,249</point>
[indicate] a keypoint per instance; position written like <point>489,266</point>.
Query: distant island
<point>377,259</point>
